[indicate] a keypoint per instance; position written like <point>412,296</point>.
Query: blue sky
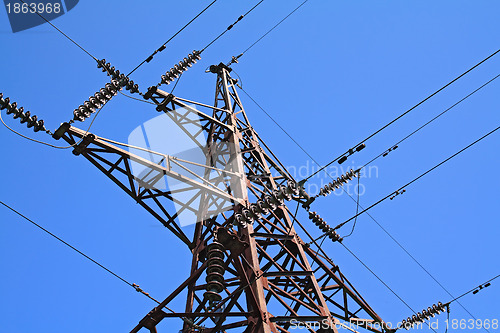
<point>330,75</point>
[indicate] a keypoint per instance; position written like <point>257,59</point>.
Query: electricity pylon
<point>251,272</point>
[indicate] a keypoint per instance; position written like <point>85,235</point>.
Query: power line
<point>269,31</point>
<point>383,154</point>
<point>417,178</point>
<point>67,244</point>
<point>84,50</point>
<point>399,244</point>
<point>97,61</point>
<point>232,25</point>
<point>62,33</point>
<point>209,45</point>
<point>411,256</point>
<point>370,270</point>
<point>176,82</point>
<point>382,281</point>
<point>360,206</point>
<point>98,111</point>
<point>352,253</point>
<point>138,99</point>
<point>430,121</point>
<point>110,74</point>
<point>408,111</point>
<point>476,289</point>
<point>178,69</point>
<point>277,124</point>
<point>147,60</point>
<point>357,209</point>
<point>162,47</point>
<point>48,132</point>
<point>133,285</point>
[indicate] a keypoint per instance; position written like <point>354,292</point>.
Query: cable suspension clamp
<point>389,150</point>
<point>139,290</point>
<point>24,117</point>
<point>481,287</point>
<point>234,59</point>
<point>399,192</point>
<point>351,152</point>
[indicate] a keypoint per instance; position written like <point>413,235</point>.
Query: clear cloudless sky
<point>331,74</point>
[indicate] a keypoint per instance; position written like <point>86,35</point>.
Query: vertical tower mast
<point>268,282</point>
<point>250,271</point>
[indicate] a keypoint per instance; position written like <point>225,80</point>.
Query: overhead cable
<point>162,47</point>
<point>395,146</point>
<point>417,178</point>
<point>235,58</point>
<point>133,285</point>
<point>341,158</point>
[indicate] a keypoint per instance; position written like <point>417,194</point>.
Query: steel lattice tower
<point>254,277</point>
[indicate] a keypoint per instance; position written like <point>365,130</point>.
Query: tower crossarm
<point>116,163</point>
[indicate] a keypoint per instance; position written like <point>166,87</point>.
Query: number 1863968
<point>41,8</point>
<point>472,324</point>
